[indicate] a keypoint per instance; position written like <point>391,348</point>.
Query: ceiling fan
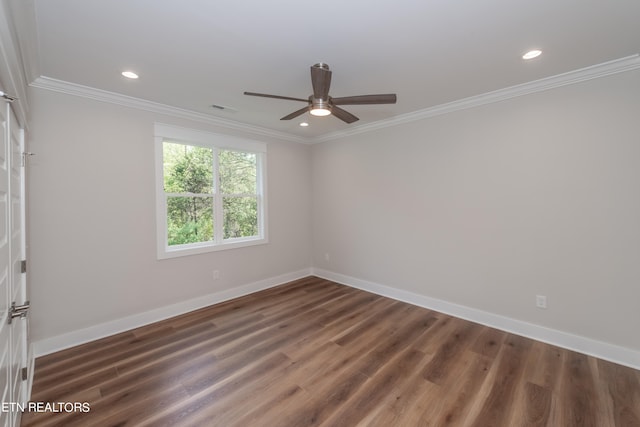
<point>321,104</point>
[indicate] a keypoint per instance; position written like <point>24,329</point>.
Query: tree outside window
<point>210,196</point>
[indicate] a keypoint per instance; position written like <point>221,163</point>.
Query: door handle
<point>20,311</point>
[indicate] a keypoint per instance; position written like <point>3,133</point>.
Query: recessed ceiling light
<point>130,74</point>
<point>532,54</point>
<point>304,124</point>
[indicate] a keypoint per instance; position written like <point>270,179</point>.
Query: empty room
<point>362,213</point>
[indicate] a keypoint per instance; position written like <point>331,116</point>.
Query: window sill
<point>195,249</point>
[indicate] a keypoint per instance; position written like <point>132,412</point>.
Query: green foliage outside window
<point>238,187</point>
<point>189,185</point>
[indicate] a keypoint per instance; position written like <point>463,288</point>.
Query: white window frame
<point>162,133</point>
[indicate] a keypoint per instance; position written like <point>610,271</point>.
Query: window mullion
<point>218,222</point>
<point>241,195</point>
<point>201,195</point>
<point>165,204</point>
<point>260,189</point>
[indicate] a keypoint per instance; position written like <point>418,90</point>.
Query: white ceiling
<point>194,53</point>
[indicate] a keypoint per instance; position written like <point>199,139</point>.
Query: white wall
<point>92,219</point>
<point>489,206</point>
<point>484,208</point>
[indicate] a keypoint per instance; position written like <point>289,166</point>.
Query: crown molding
<point>616,66</point>
<point>74,89</point>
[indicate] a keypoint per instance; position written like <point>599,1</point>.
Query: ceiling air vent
<point>223,108</point>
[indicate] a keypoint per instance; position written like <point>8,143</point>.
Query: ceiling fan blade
<point>386,98</point>
<point>296,113</point>
<point>343,115</point>
<point>321,81</point>
<point>264,95</point>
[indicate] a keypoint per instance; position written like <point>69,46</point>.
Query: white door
<point>13,329</point>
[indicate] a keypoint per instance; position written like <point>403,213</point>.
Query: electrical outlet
<point>326,256</point>
<point>541,301</point>
<point>216,274</point>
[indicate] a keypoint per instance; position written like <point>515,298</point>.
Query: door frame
<point>19,355</point>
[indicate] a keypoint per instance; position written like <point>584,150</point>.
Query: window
<point>210,191</point>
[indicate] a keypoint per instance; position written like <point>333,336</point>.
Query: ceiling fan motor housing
<point>319,103</point>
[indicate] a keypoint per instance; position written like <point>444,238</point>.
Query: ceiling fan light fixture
<point>319,107</point>
<point>320,111</point>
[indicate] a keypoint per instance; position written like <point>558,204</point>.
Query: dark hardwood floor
<point>313,352</point>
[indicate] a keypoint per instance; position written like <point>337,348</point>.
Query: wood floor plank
<point>620,386</point>
<point>406,403</point>
<point>91,363</point>
<point>488,342</point>
<point>316,353</point>
<point>274,408</point>
<point>357,319</point>
<point>471,373</point>
<point>376,389</point>
<point>497,406</point>
<point>64,359</point>
<point>580,400</point>
<point>127,407</point>
<point>382,321</point>
<point>413,326</point>
<point>206,402</point>
<point>341,358</point>
<point>537,405</point>
<point>431,341</point>
<point>280,403</point>
<point>449,351</point>
<point>325,400</point>
<point>409,406</point>
<point>62,390</point>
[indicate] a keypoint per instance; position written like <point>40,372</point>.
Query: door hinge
<point>7,97</point>
<point>20,311</point>
<point>23,266</point>
<point>25,373</point>
<point>25,156</point>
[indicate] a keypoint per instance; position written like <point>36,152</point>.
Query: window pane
<point>240,217</point>
<point>189,220</point>
<point>187,168</point>
<point>237,172</point>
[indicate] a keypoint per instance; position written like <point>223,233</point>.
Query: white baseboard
<point>611,352</point>
<point>81,336</point>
